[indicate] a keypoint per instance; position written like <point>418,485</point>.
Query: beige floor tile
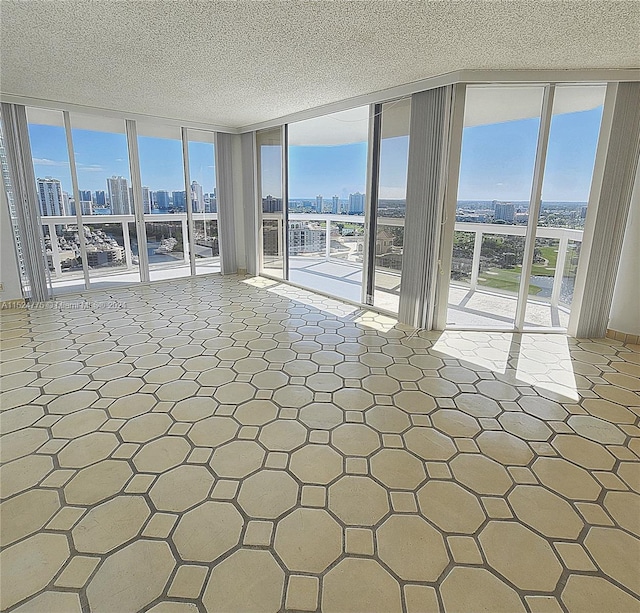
<point>566,479</point>
<point>617,554</point>
<point>188,581</point>
<point>360,585</point>
<point>503,544</point>
<point>450,507</point>
<point>302,593</point>
<point>358,500</point>
<point>110,524</point>
<point>476,589</point>
<point>77,572</point>
<point>421,599</point>
<point>543,604</point>
<point>595,594</point>
<point>308,540</point>
<point>412,548</point>
<point>52,601</point>
<point>220,521</point>
<point>247,581</point>
<point>28,566</point>
<point>160,525</point>
<point>268,494</point>
<point>464,550</point>
<point>237,459</point>
<point>26,513</point>
<point>258,533</point>
<point>140,570</point>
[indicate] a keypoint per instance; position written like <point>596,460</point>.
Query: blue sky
<point>497,162</point>
<point>102,154</point>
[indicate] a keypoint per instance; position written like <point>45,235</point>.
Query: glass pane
<point>62,248</point>
<point>573,138</point>
<point>269,144</point>
<point>202,173</point>
<point>104,183</point>
<point>327,171</point>
<point>161,171</point>
<point>55,198</point>
<point>499,142</point>
<point>392,194</point>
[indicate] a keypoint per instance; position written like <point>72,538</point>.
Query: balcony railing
<point>126,222</point>
<point>563,236</point>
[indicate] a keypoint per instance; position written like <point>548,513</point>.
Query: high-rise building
<point>271,205</point>
<point>118,188</point>
<point>319,201</point>
<point>50,196</point>
<point>197,197</point>
<point>179,200</point>
<point>505,211</point>
<point>85,195</point>
<point>162,200</point>
<point>356,204</point>
<point>335,205</point>
<point>100,198</point>
<point>146,200</point>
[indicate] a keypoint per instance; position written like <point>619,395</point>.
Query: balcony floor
<point>237,444</point>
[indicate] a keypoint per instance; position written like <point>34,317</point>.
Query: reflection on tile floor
<point>227,444</point>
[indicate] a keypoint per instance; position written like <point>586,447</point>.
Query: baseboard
<point>627,339</point>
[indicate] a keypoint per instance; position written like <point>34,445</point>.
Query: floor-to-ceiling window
<point>164,200</point>
<point>270,200</point>
<point>55,199</point>
<point>573,138</point>
<point>390,206</point>
<point>327,174</point>
<point>526,168</point>
<point>106,202</point>
<point>501,125</point>
<point>204,205</point>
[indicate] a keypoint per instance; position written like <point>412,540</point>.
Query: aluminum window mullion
<point>285,200</point>
<point>189,204</point>
<point>371,212</point>
<point>76,197</point>
<point>534,205</point>
<point>138,207</point>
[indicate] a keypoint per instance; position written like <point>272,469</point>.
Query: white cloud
<point>48,162</point>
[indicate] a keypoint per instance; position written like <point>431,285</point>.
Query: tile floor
<point>228,444</point>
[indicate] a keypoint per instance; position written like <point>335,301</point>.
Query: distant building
<point>162,200</point>
<point>356,204</point>
<point>197,197</point>
<point>305,238</point>
<point>505,211</point>
<point>85,195</point>
<point>335,205</point>
<point>100,198</point>
<point>118,189</point>
<point>179,200</point>
<point>271,205</point>
<point>319,201</point>
<point>50,196</point>
<point>146,200</point>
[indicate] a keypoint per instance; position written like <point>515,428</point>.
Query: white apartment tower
<point>50,195</point>
<point>118,195</point>
<point>146,200</point>
<point>197,198</point>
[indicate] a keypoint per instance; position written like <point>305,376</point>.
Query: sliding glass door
<point>327,175</point>
<point>526,166</point>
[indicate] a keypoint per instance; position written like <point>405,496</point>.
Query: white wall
<point>9,273</point>
<point>625,308</point>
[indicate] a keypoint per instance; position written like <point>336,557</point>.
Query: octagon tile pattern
<point>236,444</point>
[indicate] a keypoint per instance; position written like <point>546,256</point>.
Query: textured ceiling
<point>238,63</point>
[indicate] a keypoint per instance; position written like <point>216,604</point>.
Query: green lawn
<point>507,279</point>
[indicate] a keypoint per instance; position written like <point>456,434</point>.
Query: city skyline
<point>496,162</point>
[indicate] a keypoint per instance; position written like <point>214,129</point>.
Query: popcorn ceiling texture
<point>237,63</point>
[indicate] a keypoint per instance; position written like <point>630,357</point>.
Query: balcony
<point>481,294</point>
